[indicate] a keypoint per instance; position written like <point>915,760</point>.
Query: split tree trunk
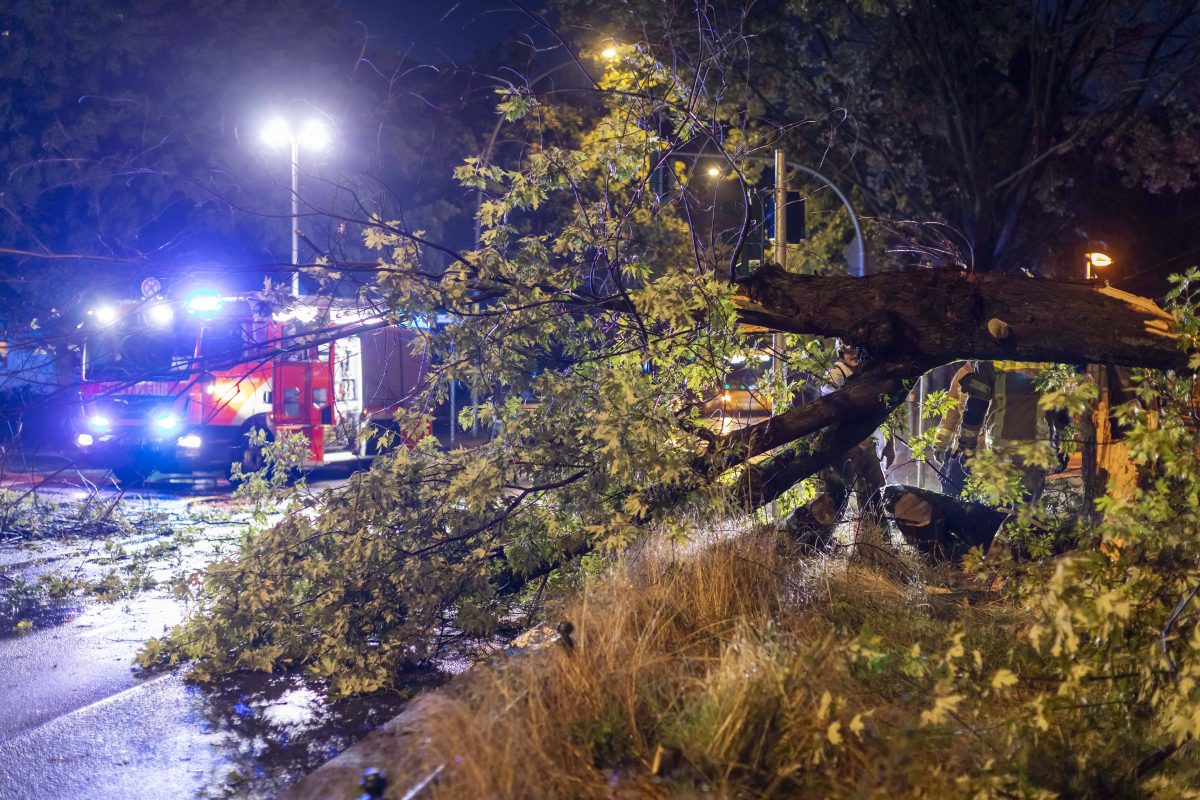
<point>911,322</point>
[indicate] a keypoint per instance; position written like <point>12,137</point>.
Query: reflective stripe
<point>1009,387</point>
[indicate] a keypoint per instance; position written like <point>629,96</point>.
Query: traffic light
<point>796,231</point>
<point>750,257</point>
<point>662,179</point>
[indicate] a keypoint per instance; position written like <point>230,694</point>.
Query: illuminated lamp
<point>203,301</point>
<point>277,133</point>
<point>166,421</point>
<point>105,315</point>
<point>191,441</point>
<point>160,314</point>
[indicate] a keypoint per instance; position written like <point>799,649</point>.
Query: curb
<point>386,748</point>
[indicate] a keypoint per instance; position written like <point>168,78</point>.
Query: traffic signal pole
<point>778,345</point>
<point>777,341</point>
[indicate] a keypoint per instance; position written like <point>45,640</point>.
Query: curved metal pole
<point>792,165</point>
<point>862,248</point>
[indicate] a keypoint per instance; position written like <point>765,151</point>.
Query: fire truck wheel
<point>132,474</point>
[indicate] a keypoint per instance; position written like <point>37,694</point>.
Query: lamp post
<point>312,135</point>
<point>1093,261</point>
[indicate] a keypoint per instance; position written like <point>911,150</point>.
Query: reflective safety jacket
<point>1006,390</point>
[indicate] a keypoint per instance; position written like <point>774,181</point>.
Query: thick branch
<point>764,482</point>
<point>937,316</point>
<point>865,394</point>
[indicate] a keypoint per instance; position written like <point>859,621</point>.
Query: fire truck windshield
<point>137,354</point>
<point>224,343</point>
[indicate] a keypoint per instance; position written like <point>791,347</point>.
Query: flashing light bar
<point>203,302</point>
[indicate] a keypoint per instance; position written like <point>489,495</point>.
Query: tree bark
<point>939,525</point>
<point>937,316</point>
<point>865,402</point>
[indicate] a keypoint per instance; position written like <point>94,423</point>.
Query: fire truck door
<point>302,392</point>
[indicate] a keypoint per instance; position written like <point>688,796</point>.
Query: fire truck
<point>196,384</point>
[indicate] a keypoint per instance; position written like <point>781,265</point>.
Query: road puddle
<point>274,729</point>
<point>246,736</point>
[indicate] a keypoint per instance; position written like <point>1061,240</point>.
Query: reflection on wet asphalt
<point>76,721</point>
<point>249,736</point>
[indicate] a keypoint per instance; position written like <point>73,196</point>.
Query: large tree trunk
<point>937,316</point>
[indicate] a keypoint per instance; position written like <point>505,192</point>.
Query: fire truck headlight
<point>191,442</point>
<point>84,439</point>
<point>166,422</point>
<point>105,315</point>
<point>99,422</point>
<point>160,315</point>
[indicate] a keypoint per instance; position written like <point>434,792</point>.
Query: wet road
<point>77,721</point>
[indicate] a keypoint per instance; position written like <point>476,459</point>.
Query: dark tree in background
<point>1001,135</point>
<point>997,118</point>
<point>130,141</point>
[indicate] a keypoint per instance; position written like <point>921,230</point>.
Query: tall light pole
<point>312,135</point>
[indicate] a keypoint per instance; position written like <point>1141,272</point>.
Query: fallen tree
<point>604,298</point>
<point>604,301</point>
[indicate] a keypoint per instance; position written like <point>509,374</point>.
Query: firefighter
<point>861,464</point>
<point>843,368</point>
<point>945,439</point>
<point>1006,390</point>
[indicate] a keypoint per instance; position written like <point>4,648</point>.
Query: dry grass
<point>750,671</point>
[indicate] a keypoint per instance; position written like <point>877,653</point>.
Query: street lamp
<point>312,135</point>
<point>1093,261</point>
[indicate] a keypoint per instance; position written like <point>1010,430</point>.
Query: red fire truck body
<point>183,386</point>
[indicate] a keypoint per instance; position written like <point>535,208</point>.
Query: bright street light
<point>313,135</point>
<point>1093,261</point>
<point>609,53</point>
<point>714,172</point>
<point>277,133</point>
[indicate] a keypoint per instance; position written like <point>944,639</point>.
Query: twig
<point>1153,761</point>
<point>421,784</point>
<point>1171,624</point>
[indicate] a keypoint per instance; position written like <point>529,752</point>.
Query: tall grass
<point>738,669</point>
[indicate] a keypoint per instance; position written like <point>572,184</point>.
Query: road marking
<point>104,701</point>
